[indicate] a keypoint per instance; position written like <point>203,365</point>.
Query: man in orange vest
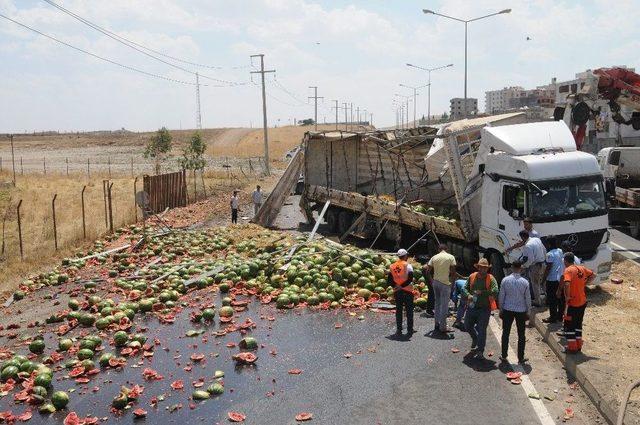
<point>574,280</point>
<point>480,290</point>
<point>400,278</point>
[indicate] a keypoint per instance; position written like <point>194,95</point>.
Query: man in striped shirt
<point>514,303</point>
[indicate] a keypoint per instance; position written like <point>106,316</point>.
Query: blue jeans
<point>476,322</point>
<point>462,308</point>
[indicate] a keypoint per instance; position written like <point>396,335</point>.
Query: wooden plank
<point>386,210</point>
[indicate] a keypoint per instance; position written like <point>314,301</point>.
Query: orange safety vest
<point>487,285</point>
<point>400,274</point>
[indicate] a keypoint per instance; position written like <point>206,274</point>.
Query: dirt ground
<point>612,334</point>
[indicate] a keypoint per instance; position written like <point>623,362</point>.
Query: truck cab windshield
<point>558,200</point>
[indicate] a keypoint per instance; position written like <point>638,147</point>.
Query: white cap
<point>402,252</point>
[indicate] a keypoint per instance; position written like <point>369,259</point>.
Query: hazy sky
<point>354,51</point>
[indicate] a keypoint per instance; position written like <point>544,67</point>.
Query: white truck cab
<point>534,170</point>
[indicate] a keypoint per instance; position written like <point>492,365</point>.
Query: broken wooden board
<point>204,275</point>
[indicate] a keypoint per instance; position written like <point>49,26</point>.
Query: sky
<point>354,51</point>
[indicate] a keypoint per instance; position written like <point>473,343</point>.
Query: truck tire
<point>344,221</point>
<point>332,220</point>
<point>497,266</point>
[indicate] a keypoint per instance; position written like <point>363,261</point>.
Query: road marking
<point>538,406</point>
<point>626,250</point>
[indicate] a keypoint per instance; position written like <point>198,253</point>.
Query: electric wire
<point>136,46</point>
<point>131,68</point>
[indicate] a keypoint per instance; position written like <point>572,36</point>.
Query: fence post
<point>21,167</point>
<point>109,164</point>
<point>204,186</point>
<point>67,161</point>
<point>55,228</point>
<point>104,198</point>
<point>0,163</point>
<point>84,227</point>
<point>88,172</point>
<point>44,165</point>
<point>135,193</point>
<point>20,229</point>
<point>131,166</point>
<point>4,221</point>
<point>109,186</point>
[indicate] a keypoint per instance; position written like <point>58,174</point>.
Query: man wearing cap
<point>481,291</point>
<point>515,302</point>
<point>443,265</point>
<point>400,278</point>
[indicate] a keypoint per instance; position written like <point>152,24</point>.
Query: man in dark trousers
<point>515,302</point>
<point>574,281</point>
<point>400,278</point>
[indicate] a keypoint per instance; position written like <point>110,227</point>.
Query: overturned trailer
<point>468,184</point>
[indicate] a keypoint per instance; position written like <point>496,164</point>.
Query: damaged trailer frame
<point>375,177</point>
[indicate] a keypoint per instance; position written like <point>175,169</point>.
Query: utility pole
<point>351,116</point>
<point>337,107</point>
<point>315,98</point>
<point>13,161</point>
<point>358,115</point>
<point>346,125</point>
<point>264,112</point>
<point>371,119</point>
<point>198,115</point>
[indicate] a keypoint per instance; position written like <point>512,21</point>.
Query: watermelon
<point>59,399</point>
<point>200,395</point>
<point>37,346</point>
<point>85,353</point>
<point>9,372</point>
<point>248,343</point>
<point>226,311</point>
<point>215,389</point>
<point>120,338</point>
<point>43,380</point>
<point>64,344</point>
<point>208,314</point>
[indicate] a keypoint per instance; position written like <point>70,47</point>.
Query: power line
<point>130,68</point>
<point>132,44</point>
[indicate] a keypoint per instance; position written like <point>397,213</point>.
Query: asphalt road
<point>625,245</point>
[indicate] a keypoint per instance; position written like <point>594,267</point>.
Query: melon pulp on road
<point>157,345</point>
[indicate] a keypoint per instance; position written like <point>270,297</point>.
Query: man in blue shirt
<point>460,301</point>
<point>515,303</point>
<point>553,273</point>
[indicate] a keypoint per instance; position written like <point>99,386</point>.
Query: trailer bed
<point>630,196</point>
<point>386,210</point>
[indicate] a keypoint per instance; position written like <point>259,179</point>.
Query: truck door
<point>511,211</point>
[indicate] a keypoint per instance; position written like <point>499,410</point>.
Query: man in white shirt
<point>256,197</point>
<point>527,223</point>
<point>235,203</point>
<point>534,255</point>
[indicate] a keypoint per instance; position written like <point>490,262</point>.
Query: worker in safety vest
<point>400,278</point>
<point>574,281</point>
<point>481,291</point>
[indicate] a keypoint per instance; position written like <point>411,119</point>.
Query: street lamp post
<point>465,22</point>
<point>429,70</point>
<point>406,98</point>
<point>415,94</point>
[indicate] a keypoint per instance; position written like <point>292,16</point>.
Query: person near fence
<point>256,197</point>
<point>235,203</point>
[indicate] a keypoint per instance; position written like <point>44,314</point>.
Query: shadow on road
<point>439,335</point>
<point>479,365</point>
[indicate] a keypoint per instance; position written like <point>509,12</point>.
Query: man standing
<point>574,280</point>
<point>443,265</point>
<point>552,274</point>
<point>533,258</point>
<point>400,278</point>
<point>428,279</point>
<point>235,202</point>
<point>460,301</point>
<point>515,303</point>
<point>480,290</point>
<point>256,197</point>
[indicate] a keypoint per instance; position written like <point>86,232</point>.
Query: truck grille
<point>584,244</point>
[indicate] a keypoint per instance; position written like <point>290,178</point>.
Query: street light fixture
<point>415,93</point>
<point>403,106</point>
<point>429,70</point>
<point>466,22</point>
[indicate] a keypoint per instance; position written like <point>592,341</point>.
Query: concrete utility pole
<point>315,98</point>
<point>351,115</point>
<point>371,119</point>
<point>337,107</point>
<point>346,125</point>
<point>358,115</point>
<point>198,115</point>
<point>264,112</point>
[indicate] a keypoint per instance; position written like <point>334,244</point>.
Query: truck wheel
<point>344,221</point>
<point>332,220</point>
<point>497,266</point>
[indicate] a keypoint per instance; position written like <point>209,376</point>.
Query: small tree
<point>159,147</point>
<point>193,157</point>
